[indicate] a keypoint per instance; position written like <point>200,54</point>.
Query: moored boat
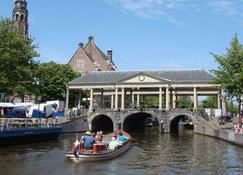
<point>23,130</point>
<point>100,151</point>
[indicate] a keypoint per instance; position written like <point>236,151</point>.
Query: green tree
<point>17,65</point>
<point>230,70</point>
<point>151,101</point>
<point>209,102</point>
<point>52,79</point>
<point>184,102</point>
<point>232,107</point>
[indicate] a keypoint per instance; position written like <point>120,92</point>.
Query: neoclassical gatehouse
<point>119,90</point>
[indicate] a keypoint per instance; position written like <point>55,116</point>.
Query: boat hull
<point>24,135</point>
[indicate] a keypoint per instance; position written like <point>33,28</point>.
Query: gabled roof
<point>174,76</point>
<point>91,48</point>
<point>85,55</point>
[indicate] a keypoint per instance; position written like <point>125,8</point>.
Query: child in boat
<point>121,137</point>
<point>99,136</point>
<point>113,143</point>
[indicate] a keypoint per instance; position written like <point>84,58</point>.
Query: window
<point>80,63</point>
<point>22,17</point>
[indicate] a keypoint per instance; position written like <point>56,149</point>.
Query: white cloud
<point>169,10</point>
<point>224,6</point>
<point>153,9</point>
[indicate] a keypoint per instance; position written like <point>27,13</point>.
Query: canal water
<point>151,154</point>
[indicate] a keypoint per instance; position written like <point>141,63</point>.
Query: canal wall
<point>205,128</point>
<point>75,125</point>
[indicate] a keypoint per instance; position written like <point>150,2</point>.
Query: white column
<point>160,98</point>
<point>116,99</point>
<point>102,98</point>
<point>167,104</point>
<point>218,98</point>
<point>223,104</point>
<point>174,100</point>
<point>67,99</point>
<point>122,99</point>
<point>195,97</point>
<point>79,99</point>
<point>138,100</point>
<point>91,100</point>
<point>132,100</point>
<point>112,101</point>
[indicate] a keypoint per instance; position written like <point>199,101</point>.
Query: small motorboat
<point>100,150</point>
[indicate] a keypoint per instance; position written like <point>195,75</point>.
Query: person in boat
<point>99,136</point>
<point>87,140</point>
<point>113,143</point>
<point>121,137</point>
<point>76,145</point>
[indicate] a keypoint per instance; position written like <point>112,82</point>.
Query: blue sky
<point>144,34</point>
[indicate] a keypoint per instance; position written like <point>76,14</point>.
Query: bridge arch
<point>138,121</point>
<point>101,122</point>
<point>187,121</point>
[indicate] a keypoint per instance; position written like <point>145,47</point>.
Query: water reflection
<point>151,154</point>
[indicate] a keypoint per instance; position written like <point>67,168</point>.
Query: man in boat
<point>87,140</point>
<point>113,143</point>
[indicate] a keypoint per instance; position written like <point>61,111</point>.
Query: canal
<point>151,154</point>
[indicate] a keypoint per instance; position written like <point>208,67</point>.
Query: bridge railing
<point>76,113</point>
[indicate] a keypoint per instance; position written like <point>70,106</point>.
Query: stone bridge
<point>138,119</point>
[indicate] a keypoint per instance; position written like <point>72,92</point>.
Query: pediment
<point>144,78</point>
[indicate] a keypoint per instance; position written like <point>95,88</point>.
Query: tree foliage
<point>210,102</point>
<point>151,101</point>
<point>184,102</point>
<point>230,70</point>
<point>52,80</point>
<point>17,63</point>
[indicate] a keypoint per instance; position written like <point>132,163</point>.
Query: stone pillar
<point>116,99</point>
<point>102,98</point>
<point>133,100</point>
<point>218,99</point>
<point>138,100</point>
<point>174,100</point>
<point>160,98</point>
<point>122,99</point>
<point>67,99</point>
<point>195,98</point>
<point>79,99</point>
<point>167,103</point>
<point>91,100</point>
<point>112,101</point>
<point>223,104</point>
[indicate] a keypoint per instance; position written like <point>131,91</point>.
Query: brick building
<point>90,58</point>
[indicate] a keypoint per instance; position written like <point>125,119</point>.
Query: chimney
<point>109,55</point>
<point>81,45</point>
<point>91,38</point>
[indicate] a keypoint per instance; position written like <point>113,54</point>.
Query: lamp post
<point>221,105</point>
<point>36,82</point>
